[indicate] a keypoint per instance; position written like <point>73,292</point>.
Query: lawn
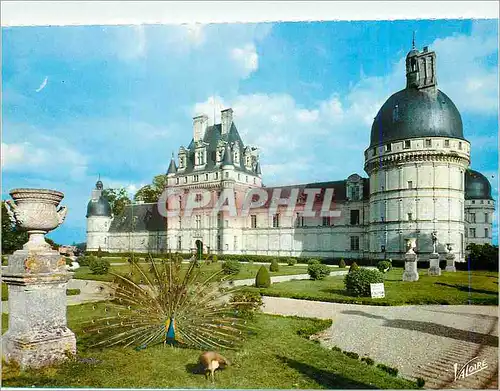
<point>276,357</point>
<point>247,271</point>
<point>449,288</point>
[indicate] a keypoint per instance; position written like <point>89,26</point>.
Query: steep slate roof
<point>212,136</point>
<point>139,217</point>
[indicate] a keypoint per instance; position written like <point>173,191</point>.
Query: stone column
<point>37,278</point>
<point>411,272</point>
<point>450,259</point>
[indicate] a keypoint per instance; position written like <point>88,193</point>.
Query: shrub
<point>291,261</point>
<point>68,261</point>
<point>263,279</point>
<point>384,266</point>
<point>5,260</point>
<point>248,301</point>
<point>214,258</point>
<point>231,267</point>
<point>357,283</point>
<point>313,262</point>
<point>336,349</point>
<point>368,360</point>
<point>85,260</point>
<point>353,267</point>
<point>420,382</point>
<point>99,266</point>
<point>274,267</point>
<point>389,370</point>
<point>318,271</point>
<point>72,292</point>
<point>351,355</point>
<point>342,263</point>
<point>99,252</point>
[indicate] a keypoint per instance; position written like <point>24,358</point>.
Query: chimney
<point>226,120</point>
<point>200,124</point>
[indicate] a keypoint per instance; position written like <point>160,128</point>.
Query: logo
<point>470,368</point>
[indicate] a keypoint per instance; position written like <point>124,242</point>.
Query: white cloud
<point>246,58</point>
<point>43,85</point>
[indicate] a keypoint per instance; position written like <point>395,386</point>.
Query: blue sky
<point>79,101</point>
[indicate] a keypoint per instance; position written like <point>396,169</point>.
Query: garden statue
<point>410,273</point>
<point>450,258</point>
<point>158,305</point>
<point>37,278</point>
<point>434,269</point>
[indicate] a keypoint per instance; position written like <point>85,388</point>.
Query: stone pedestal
<point>434,269</point>
<point>38,334</point>
<point>450,262</point>
<point>411,272</point>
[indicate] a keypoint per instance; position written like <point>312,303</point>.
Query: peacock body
<point>169,305</point>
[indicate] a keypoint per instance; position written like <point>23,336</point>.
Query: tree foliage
<point>13,238</point>
<point>152,192</point>
<point>117,198</point>
<point>483,256</point>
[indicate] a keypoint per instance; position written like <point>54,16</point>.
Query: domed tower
<point>99,219</point>
<point>416,163</point>
<point>479,208</point>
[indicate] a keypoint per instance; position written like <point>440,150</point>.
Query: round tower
<point>416,163</point>
<point>99,219</point>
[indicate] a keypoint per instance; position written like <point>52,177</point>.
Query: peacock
<point>161,304</point>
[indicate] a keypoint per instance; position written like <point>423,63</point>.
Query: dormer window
<point>388,147</point>
<point>199,158</point>
<point>375,151</point>
<point>447,143</point>
<point>428,143</point>
<point>459,145</point>
<point>407,144</point>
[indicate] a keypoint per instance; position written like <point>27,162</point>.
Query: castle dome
<point>99,207</point>
<point>477,186</point>
<point>419,110</point>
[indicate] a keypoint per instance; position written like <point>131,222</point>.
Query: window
<point>355,193</point>
<point>219,220</point>
<point>216,175</point>
<point>388,147</point>
<point>185,179</point>
<point>195,178</point>
<point>254,181</point>
<point>473,201</point>
<point>180,222</point>
<point>486,218</point>
<point>428,143</point>
<point>355,217</point>
<point>375,151</point>
<point>246,178</point>
<point>447,143</point>
<point>235,242</point>
<point>459,145</point>
<point>300,220</point>
<point>179,243</point>
<point>410,184</point>
<point>206,177</point>
<point>486,233</point>
<point>198,197</point>
<point>253,221</point>
<point>354,243</point>
<point>105,240</point>
<point>239,177</point>
<point>276,220</point>
<point>472,232</point>
<point>472,217</point>
<point>227,174</point>
<point>176,181</point>
<point>198,221</point>
<point>407,144</point>
<point>226,223</point>
<point>326,221</point>
<point>410,216</point>
<point>219,244</point>
<point>395,113</point>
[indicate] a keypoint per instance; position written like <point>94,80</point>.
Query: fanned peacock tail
<point>160,305</point>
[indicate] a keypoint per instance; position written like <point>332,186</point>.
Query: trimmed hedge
<point>99,266</point>
<point>231,267</point>
<point>318,271</point>
<point>342,264</point>
<point>353,267</point>
<point>263,279</point>
<point>291,261</point>
<point>367,360</point>
<point>274,267</point>
<point>357,283</point>
<point>389,370</point>
<point>384,266</point>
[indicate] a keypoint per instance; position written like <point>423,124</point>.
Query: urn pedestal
<point>450,259</point>
<point>434,269</point>
<point>37,278</point>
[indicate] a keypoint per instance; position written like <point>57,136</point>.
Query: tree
<point>12,237</point>
<point>483,256</point>
<point>117,198</point>
<point>152,192</point>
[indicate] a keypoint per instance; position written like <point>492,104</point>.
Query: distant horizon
<point>118,100</point>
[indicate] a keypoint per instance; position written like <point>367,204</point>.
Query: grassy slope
<point>247,271</point>
<point>274,358</point>
<point>5,292</point>
<point>449,288</point>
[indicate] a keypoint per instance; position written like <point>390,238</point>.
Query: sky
<point>116,101</point>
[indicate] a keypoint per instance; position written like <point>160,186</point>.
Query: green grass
<point>5,292</point>
<point>276,357</point>
<point>247,271</point>
<point>449,288</point>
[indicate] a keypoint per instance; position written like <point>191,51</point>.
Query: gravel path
<point>421,341</point>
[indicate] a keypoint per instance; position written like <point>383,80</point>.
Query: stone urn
<point>411,272</point>
<point>434,269</point>
<point>35,211</point>
<point>450,258</point>
<point>37,279</point>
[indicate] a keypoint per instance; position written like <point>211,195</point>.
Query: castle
<point>419,182</point>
